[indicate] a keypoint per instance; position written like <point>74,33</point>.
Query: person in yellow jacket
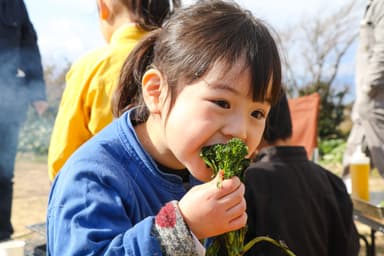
<point>85,106</point>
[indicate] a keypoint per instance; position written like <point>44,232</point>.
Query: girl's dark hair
<point>191,41</point>
<point>150,14</point>
<point>279,124</point>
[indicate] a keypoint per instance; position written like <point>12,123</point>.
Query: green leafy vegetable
<point>228,157</point>
<point>231,158</point>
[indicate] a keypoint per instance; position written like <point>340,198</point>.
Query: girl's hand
<point>210,211</point>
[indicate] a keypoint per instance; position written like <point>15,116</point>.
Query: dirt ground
<point>31,196</point>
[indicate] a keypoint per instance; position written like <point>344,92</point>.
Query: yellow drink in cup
<point>360,181</point>
<point>360,169</point>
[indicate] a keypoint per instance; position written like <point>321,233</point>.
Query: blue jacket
<point>104,200</point>
<point>21,71</point>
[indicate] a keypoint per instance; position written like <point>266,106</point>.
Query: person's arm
<point>375,70</point>
<point>96,223</point>
<point>173,234</point>
<point>92,218</point>
<point>30,61</point>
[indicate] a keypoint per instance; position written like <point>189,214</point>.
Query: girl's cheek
<point>259,131</point>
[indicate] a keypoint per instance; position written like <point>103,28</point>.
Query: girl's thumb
<point>219,178</point>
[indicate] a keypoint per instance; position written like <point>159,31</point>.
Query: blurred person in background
<point>21,84</point>
<point>295,200</point>
<point>85,107</point>
<point>368,110</point>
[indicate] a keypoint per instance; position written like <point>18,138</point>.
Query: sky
<point>69,28</point>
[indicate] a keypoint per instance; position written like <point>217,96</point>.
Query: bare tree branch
<point>321,42</point>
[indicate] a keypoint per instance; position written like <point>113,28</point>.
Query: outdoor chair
<point>305,115</point>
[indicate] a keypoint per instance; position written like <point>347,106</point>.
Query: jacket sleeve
<point>30,59</point>
<point>375,70</point>
<point>86,216</point>
<point>345,238</point>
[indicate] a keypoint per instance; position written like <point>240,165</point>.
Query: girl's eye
<point>222,103</point>
<point>258,114</point>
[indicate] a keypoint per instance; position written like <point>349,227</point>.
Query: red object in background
<point>305,114</point>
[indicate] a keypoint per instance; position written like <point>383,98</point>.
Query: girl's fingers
<point>236,210</point>
<point>234,198</point>
<point>238,222</point>
<point>228,186</point>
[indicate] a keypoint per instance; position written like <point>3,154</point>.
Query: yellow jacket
<point>85,106</point>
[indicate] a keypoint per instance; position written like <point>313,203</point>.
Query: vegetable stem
<point>259,239</point>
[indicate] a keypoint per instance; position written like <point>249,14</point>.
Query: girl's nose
<point>236,127</point>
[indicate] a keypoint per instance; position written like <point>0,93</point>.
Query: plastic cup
<point>360,181</point>
<point>12,248</point>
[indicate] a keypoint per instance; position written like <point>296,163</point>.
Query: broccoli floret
<point>229,157</point>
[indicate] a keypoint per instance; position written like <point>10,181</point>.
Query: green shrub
<point>331,151</point>
<point>36,132</point>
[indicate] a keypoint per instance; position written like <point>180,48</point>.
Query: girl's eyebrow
<point>221,86</point>
<point>218,85</point>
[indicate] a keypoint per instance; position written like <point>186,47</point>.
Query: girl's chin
<point>202,172</point>
<point>204,177</point>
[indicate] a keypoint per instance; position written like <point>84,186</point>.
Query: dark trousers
<point>9,133</point>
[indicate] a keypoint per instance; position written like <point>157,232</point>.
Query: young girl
<point>208,75</point>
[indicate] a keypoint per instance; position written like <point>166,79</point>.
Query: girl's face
<point>212,110</point>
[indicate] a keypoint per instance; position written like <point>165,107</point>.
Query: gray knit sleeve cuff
<point>172,232</point>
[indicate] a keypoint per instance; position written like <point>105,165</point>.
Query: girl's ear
<point>103,9</point>
<point>153,86</point>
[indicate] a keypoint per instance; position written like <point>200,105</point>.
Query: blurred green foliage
<point>36,132</point>
<point>331,151</point>
<point>332,105</point>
